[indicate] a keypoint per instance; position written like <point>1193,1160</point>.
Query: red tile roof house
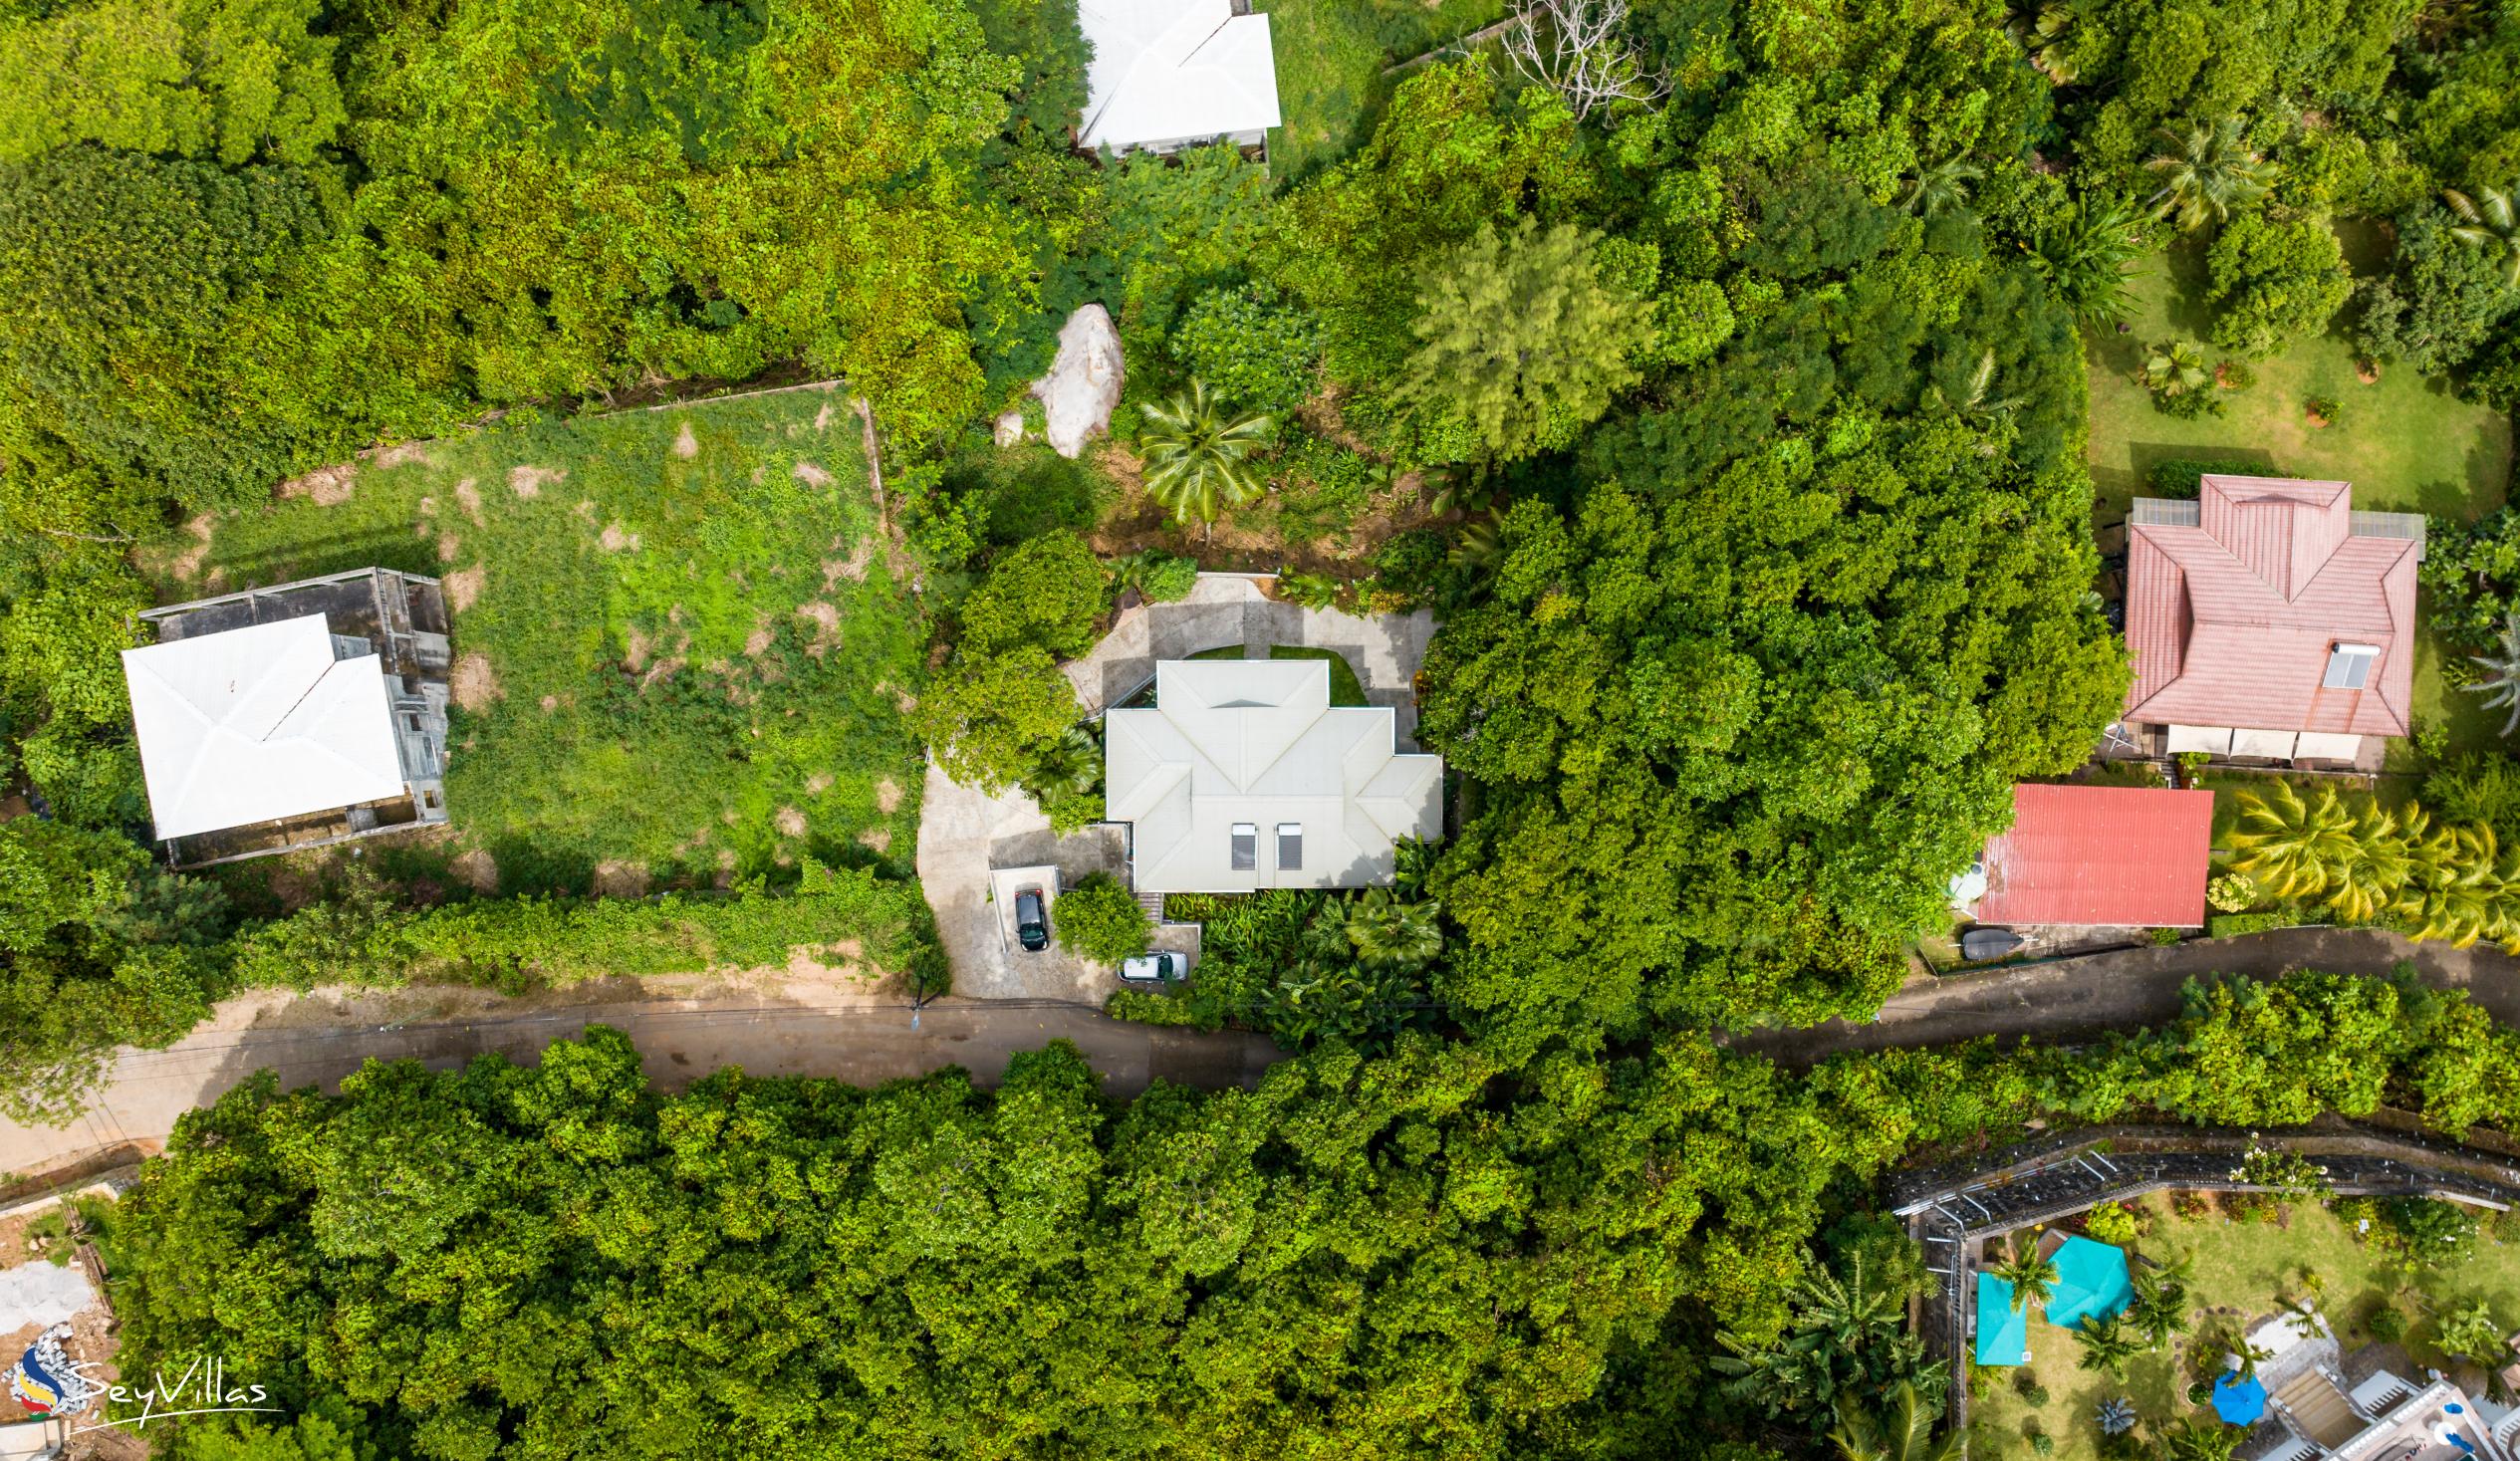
<point>2081,856</point>
<point>2269,620</point>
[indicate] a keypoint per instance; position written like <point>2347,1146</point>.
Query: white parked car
<point>1151,969</point>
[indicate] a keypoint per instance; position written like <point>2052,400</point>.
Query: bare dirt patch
<point>887,795</point>
<point>790,821</point>
<point>474,683</point>
<point>685,444</point>
<point>463,588</point>
<point>823,418</point>
<point>618,539</point>
<point>620,879</point>
<point>478,870</point>
<point>448,545</point>
<point>325,486</point>
<point>549,703</point>
<point>529,481</point>
<point>826,618</point>
<point>819,783</point>
<point>877,839</point>
<point>852,567</point>
<point>812,475</point>
<point>634,654</point>
<point>402,454</point>
<point>758,642</point>
<point>468,497</point>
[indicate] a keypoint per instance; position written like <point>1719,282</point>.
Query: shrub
<point>2233,892</point>
<point>2274,282</point>
<point>1099,919</point>
<point>2325,407</point>
<point>2111,1223</point>
<point>1161,577</point>
<point>2387,1324</point>
<point>1256,349</point>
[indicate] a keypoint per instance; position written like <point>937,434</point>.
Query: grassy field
<point>682,652</point>
<point>2405,443</point>
<point>1330,57</point>
<point>2245,1271</point>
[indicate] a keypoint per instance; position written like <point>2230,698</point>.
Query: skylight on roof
<point>2350,666</point>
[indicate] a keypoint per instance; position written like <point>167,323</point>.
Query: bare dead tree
<point>1588,58</point>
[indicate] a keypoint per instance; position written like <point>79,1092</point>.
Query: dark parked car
<point>1032,920</point>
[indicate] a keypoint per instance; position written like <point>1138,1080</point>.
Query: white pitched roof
<point>1173,71</point>
<point>251,724</point>
<point>1257,742</point>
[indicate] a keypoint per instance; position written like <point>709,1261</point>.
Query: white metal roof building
<point>251,712</point>
<point>1169,73</point>
<point>1244,776</point>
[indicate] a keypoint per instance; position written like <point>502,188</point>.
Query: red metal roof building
<point>2268,609</point>
<point>2078,855</point>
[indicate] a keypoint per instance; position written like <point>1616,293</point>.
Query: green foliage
<point>1099,919</point>
<point>2471,578</point>
<point>1000,709</point>
<point>1521,342</point>
<point>2207,172</point>
<point>1161,577</point>
<point>2182,477</point>
<point>2111,1223</point>
<point>2087,253</point>
<point>1197,453</point>
<point>2440,300</point>
<point>2274,282</point>
<point>1048,594</point>
<point>1251,346</point>
<point>217,79</point>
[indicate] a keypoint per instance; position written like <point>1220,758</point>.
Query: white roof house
<point>1244,776</point>
<point>1167,74</point>
<point>258,723</point>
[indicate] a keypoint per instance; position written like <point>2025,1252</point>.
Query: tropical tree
<point>2190,1439</point>
<point>1198,454</point>
<point>2032,1277</point>
<point>1975,399</point>
<point>1847,1342</point>
<point>2500,682</point>
<point>2115,1416</point>
<point>2289,846</point>
<point>2378,862</point>
<point>2462,888</point>
<point>1388,930</point>
<point>2159,1309</point>
<point>2206,172</point>
<point>1902,1430</point>
<point>2249,1356</point>
<point>2087,253</point>
<point>2173,368</point>
<point>2107,1346</point>
<point>2046,34</point>
<point>1939,187</point>
<point>2486,222</point>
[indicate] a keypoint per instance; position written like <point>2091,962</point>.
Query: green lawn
<point>2245,1270</point>
<point>680,647</point>
<point>2405,444</point>
<point>1331,55</point>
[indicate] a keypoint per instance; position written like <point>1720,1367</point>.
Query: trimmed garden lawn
<point>2244,1272</point>
<point>2405,444</point>
<point>682,651</point>
<point>1331,55</point>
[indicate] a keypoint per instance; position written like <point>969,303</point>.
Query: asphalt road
<point>679,1040</point>
<point>2066,998</point>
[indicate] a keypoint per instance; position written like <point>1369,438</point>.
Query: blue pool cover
<point>2091,1282</point>
<point>2003,1331</point>
<point>2239,1401</point>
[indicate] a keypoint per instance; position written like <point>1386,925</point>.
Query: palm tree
<point>1480,549</point>
<point>1389,932</point>
<point>2043,33</point>
<point>2486,222</point>
<point>2206,173</point>
<point>2032,1277</point>
<point>2115,1416</point>
<point>1976,400</point>
<point>1903,1431</point>
<point>2500,684</point>
<point>1198,454</point>
<point>1940,187</point>
<point>2461,890</point>
<point>2380,862</point>
<point>2190,1439</point>
<point>2249,1356</point>
<point>2107,1346</point>
<point>2087,254</point>
<point>2288,847</point>
<point>2159,1309</point>
<point>1471,487</point>
<point>2173,368</point>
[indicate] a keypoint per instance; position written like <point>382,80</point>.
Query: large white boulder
<point>1083,387</point>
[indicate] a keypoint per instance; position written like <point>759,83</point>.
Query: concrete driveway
<point>1384,650</point>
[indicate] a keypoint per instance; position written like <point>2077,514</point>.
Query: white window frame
<point>1294,831</point>
<point>1243,850</point>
